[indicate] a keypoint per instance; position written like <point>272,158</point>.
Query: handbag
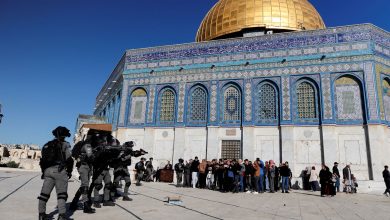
<point>334,179</point>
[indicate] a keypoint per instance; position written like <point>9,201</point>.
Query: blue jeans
<point>285,183</point>
<point>261,183</point>
<point>241,183</point>
<point>337,185</point>
<point>236,183</point>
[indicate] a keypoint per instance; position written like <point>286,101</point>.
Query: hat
<point>335,163</point>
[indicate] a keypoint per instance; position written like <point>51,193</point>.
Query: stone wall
<point>27,158</point>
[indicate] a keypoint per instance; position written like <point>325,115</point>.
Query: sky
<point>55,55</point>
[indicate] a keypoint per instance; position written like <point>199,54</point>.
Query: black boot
<point>108,203</point>
<point>62,217</point>
<point>126,198</point>
<point>42,216</point>
<point>88,209</point>
<point>97,205</point>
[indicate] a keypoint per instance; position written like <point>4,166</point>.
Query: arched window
<point>267,102</point>
<point>386,97</point>
<point>167,106</point>
<point>137,106</point>
<point>117,106</point>
<point>108,113</point>
<point>198,105</point>
<point>232,104</point>
<point>306,101</point>
<point>348,99</point>
<point>112,111</point>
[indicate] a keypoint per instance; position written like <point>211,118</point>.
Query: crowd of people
<point>258,176</point>
<point>234,175</point>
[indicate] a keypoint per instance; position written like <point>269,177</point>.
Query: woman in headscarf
<point>325,180</point>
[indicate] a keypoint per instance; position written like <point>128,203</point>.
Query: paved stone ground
<point>19,190</point>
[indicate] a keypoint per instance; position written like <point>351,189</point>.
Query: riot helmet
<point>61,131</point>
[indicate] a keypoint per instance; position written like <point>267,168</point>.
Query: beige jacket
<point>313,176</point>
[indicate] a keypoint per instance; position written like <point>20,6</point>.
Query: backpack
<point>138,166</point>
<point>51,155</point>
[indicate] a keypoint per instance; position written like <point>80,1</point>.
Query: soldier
<point>140,167</point>
<point>179,168</point>
<point>102,170</point>
<point>149,170</point>
<point>56,164</point>
<point>121,171</point>
<point>83,154</point>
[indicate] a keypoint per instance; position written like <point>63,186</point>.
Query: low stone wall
<point>27,164</point>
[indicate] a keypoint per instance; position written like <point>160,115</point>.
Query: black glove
<point>69,175</point>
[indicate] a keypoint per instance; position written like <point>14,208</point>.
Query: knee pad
<point>128,184</point>
<point>62,195</point>
<point>108,186</point>
<point>84,189</point>
<point>99,186</point>
<point>44,197</point>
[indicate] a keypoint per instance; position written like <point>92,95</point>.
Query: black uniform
<point>179,168</point>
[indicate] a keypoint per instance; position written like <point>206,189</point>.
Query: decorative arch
<point>348,98</point>
<point>306,101</point>
<point>112,111</point>
<point>231,103</point>
<point>138,102</point>
<point>167,106</point>
<point>117,107</point>
<point>267,102</point>
<point>197,105</point>
<point>386,96</point>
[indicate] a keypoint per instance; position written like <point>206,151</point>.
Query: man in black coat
<point>386,177</point>
<point>337,174</point>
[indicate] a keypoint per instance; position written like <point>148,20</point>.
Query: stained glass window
<point>306,101</point>
<point>198,106</point>
<point>267,102</point>
<point>167,106</point>
<point>232,104</point>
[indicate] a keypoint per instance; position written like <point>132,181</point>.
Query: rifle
<point>108,155</point>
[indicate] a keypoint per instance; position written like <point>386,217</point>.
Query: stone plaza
<point>19,190</point>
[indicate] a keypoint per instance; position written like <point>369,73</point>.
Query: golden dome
<point>232,17</point>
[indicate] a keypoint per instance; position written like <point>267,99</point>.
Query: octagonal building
<point>265,79</point>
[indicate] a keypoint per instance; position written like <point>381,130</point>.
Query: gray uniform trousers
<point>56,179</point>
<point>85,175</point>
<point>106,178</point>
<point>118,174</point>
